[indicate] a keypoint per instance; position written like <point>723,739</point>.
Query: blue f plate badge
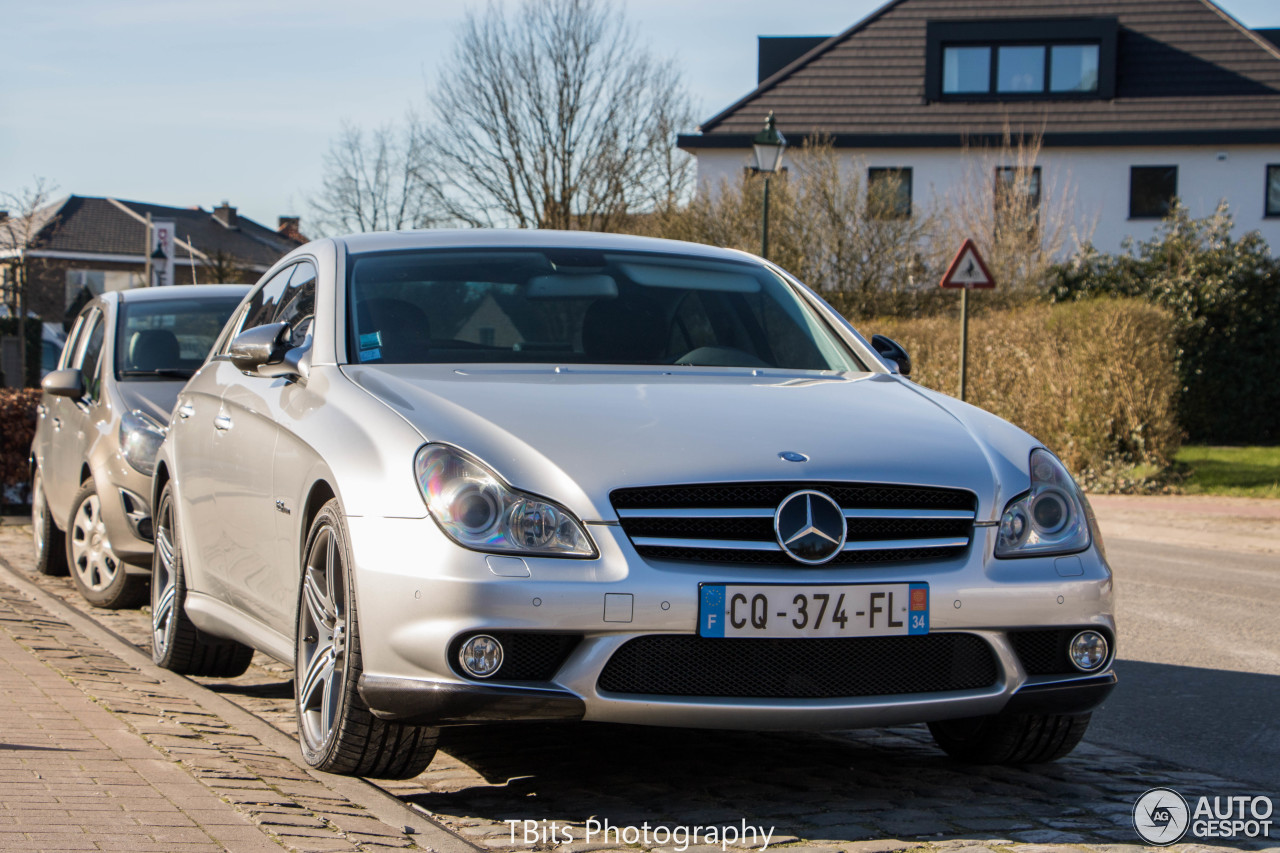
<point>781,611</point>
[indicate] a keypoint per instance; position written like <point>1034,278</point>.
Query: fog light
<point>1089,650</point>
<point>481,656</point>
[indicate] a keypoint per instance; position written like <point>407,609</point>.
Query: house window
<point>889,192</point>
<point>1152,190</point>
<point>1033,59</point>
<point>967,70</point>
<point>1273,190</point>
<point>1073,68</point>
<point>1017,199</point>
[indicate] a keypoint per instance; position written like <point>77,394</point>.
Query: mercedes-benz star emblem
<point>810,527</point>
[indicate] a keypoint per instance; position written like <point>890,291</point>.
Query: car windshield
<point>168,338</point>
<point>567,306</point>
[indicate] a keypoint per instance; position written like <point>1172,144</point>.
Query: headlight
<point>1049,519</point>
<point>476,509</point>
<point>140,438</point>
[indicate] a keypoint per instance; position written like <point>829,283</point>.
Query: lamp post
<point>769,145</point>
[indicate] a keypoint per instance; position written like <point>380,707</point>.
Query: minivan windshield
<point>168,338</point>
<point>567,306</point>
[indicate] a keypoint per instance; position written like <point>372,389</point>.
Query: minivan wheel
<point>336,730</point>
<point>100,576</point>
<point>51,548</point>
<point>1010,738</point>
<point>176,643</point>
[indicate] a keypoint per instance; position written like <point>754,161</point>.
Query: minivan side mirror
<point>259,346</point>
<point>892,352</point>
<point>64,383</point>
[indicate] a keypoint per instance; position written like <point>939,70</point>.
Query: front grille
<point>526,656</point>
<point>685,665</point>
<point>734,522</point>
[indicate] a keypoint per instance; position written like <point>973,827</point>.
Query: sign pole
<point>964,339</point>
<point>967,271</point>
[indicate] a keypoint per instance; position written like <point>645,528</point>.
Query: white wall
<point>1096,180</point>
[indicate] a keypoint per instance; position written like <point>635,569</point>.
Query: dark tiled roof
<point>1182,66</point>
<point>96,225</point>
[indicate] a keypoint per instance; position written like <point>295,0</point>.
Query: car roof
<point>181,291</point>
<point>473,238</point>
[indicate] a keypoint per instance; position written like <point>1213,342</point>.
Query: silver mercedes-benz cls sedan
<point>470,477</point>
<point>99,422</point>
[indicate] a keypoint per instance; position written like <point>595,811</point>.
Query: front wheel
<point>51,548</point>
<point>101,577</point>
<point>1010,738</point>
<point>336,730</point>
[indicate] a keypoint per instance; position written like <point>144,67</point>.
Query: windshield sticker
<point>370,354</point>
<point>371,340</point>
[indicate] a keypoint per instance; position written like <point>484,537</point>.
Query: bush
<point>1224,296</point>
<point>17,429</point>
<point>1095,381</point>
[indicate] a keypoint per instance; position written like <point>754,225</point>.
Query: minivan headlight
<point>140,439</point>
<point>476,509</point>
<point>1049,519</point>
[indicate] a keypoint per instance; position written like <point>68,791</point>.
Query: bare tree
<point>28,212</point>
<point>378,181</point>
<point>555,117</point>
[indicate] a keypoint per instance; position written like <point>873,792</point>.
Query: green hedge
<point>1223,294</point>
<point>1095,380</point>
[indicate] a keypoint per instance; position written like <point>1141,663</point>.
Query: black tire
<point>51,548</point>
<point>99,575</point>
<point>177,644</point>
<point>1010,738</point>
<point>336,730</point>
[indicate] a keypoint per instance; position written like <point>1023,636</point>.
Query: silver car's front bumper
<point>417,592</point>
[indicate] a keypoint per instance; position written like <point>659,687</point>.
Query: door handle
<point>186,410</point>
<point>57,424</point>
<point>222,423</point>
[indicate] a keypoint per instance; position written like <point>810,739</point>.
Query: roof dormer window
<point>1020,60</point>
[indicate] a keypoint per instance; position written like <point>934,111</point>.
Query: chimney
<point>226,214</point>
<point>288,228</point>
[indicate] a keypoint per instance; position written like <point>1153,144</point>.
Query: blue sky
<point>188,103</point>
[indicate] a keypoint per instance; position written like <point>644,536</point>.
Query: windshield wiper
<point>176,372</point>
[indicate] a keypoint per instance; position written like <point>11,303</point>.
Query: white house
<point>1136,102</point>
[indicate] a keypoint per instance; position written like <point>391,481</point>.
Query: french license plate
<point>813,610</point>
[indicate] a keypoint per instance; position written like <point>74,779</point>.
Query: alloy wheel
<point>91,556</point>
<point>322,662</point>
<point>37,514</point>
<point>164,580</point>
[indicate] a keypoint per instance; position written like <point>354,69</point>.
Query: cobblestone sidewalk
<point>98,755</point>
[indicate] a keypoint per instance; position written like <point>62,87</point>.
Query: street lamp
<point>769,145</point>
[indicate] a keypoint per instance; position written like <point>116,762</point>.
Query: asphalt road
<point>1199,660</point>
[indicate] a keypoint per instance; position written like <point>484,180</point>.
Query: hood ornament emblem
<point>792,456</point>
<point>810,527</point>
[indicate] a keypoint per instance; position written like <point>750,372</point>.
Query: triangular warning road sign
<point>968,269</point>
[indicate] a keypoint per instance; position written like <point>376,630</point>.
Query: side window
<point>73,340</point>
<point>298,304</point>
<point>91,358</point>
<point>265,303</point>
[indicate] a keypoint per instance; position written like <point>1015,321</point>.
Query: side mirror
<point>259,346</point>
<point>64,383</point>
<point>892,352</point>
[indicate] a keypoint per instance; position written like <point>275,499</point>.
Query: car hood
<point>575,434</point>
<point>154,397</point>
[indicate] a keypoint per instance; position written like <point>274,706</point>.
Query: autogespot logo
<point>1161,816</point>
<point>810,527</point>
